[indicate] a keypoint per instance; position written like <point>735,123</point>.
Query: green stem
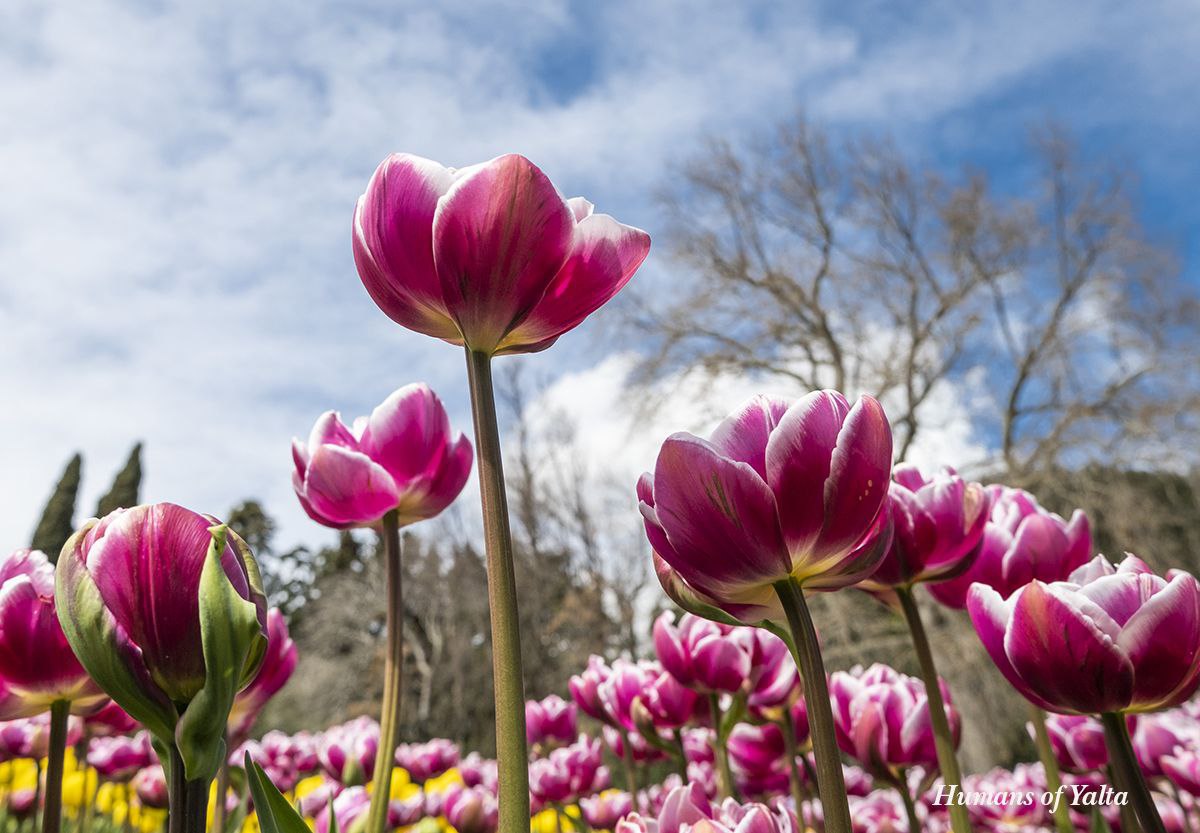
<point>631,781</point>
<point>176,793</point>
<point>218,824</point>
<point>789,743</point>
<point>1062,813</point>
<point>511,754</point>
<point>942,738</point>
<point>60,710</point>
<point>1128,773</point>
<point>389,717</point>
<point>830,783</point>
<point>681,750</point>
<point>725,783</point>
<point>910,809</point>
<point>196,805</point>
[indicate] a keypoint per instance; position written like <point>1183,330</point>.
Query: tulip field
<point>135,664</point>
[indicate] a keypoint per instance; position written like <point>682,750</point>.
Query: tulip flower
<point>151,787</point>
<point>164,608</point>
<point>1183,770</point>
<point>1021,542</point>
<point>492,258</point>
<point>1077,742</point>
<point>348,806</point>
<point>119,758</point>
<point>883,721</point>
<point>603,810</point>
<point>670,704</point>
<point>550,722</point>
<point>400,465</point>
<point>37,666</point>
<point>1156,736</point>
<point>585,688</point>
<point>779,500</point>
<point>701,653</point>
<point>111,719</point>
<point>1109,640</point>
<point>471,810</point>
<point>424,761</point>
<point>1014,811</point>
<point>348,751</point>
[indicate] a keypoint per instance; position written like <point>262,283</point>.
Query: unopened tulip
<point>777,493</point>
<point>938,522</point>
<point>585,688</point>
<point>603,810</point>
<point>278,663</point>
<point>37,666</point>
<point>471,810</point>
<point>491,255</point>
<point>403,457</point>
<point>348,751</point>
<point>1021,542</point>
<point>550,721</point>
<point>1077,742</point>
<point>883,721</point>
<point>164,608</point>
<point>1109,639</point>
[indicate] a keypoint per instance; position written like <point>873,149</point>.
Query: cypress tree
<point>57,521</point>
<point>125,486</point>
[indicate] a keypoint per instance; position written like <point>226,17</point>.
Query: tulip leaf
<point>102,646</point>
<point>275,814</point>
<point>230,635</point>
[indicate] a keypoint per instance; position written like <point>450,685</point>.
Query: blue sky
<point>177,180</point>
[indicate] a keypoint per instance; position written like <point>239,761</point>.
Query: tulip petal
<point>348,487</point>
<point>393,243</point>
<point>501,233</point>
<point>35,658</point>
<point>603,258</point>
<point>1064,648</point>
<point>990,614</point>
<point>445,486</point>
<point>859,473</point>
<point>744,434</point>
<point>718,515</point>
<point>407,434</point>
<point>1162,640</point>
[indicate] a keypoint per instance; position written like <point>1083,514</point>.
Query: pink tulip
<point>150,784</point>
<point>757,751</point>
<point>402,457</point>
<point>278,664</point>
<point>491,255</point>
<point>604,810</point>
<point>702,654</point>
<point>626,684</point>
<point>348,751</point>
<point>477,771</point>
<point>776,493</point>
<point>135,590</point>
<point>671,704</point>
<point>1010,814</point>
<point>37,665</point>
<point>1021,542</point>
<point>881,811</point>
<point>883,721</point>
<point>21,803</point>
<point>938,522</point>
<point>119,758</point>
<point>110,720</point>
<point>550,721</point>
<point>1109,639</point>
<point>1077,742</point>
<point>349,806</point>
<point>471,810</point>
<point>585,688</point>
<point>1156,736</point>
<point>316,801</point>
<point>428,760</point>
<point>1183,770</point>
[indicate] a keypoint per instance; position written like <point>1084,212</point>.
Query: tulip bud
<point>165,610</point>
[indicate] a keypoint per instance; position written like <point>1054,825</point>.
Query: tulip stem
<point>830,784</point>
<point>681,750</point>
<point>511,753</point>
<point>724,772</point>
<point>942,738</point>
<point>1128,773</point>
<point>1062,813</point>
<point>389,717</point>
<point>218,822</point>
<point>910,809</point>
<point>789,743</point>
<point>60,710</point>
<point>631,780</point>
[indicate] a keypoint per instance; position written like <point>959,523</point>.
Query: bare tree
<point>819,264</point>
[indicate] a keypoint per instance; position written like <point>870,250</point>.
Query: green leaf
<point>231,637</point>
<point>103,648</point>
<point>275,814</point>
